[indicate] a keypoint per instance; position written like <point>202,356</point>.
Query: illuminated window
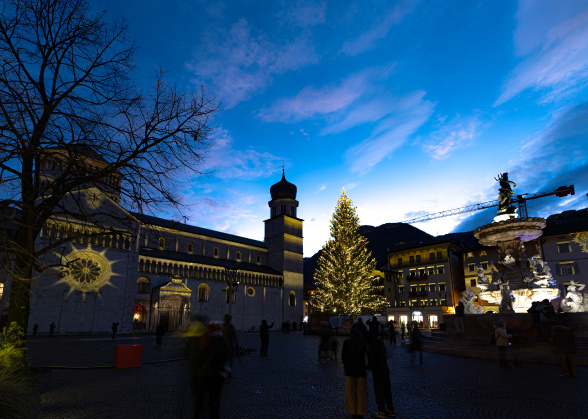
<point>161,243</point>
<point>216,251</point>
<point>567,268</point>
<point>470,255</point>
<point>440,269</point>
<point>442,286</point>
<point>433,302</point>
<point>563,247</point>
<point>190,247</point>
<point>472,282</point>
<point>423,288</point>
<point>143,285</point>
<point>238,255</point>
<point>401,289</point>
<point>203,292</point>
<point>484,265</point>
<point>431,270</point>
<point>422,272</point>
<point>471,267</point>
<point>292,300</point>
<point>483,253</point>
<point>433,321</point>
<point>1,290</point>
<point>431,287</point>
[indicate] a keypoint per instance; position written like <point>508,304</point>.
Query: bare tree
<point>71,118</point>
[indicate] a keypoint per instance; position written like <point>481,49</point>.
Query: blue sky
<point>410,106</point>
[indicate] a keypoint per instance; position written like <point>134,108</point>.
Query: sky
<point>412,107</point>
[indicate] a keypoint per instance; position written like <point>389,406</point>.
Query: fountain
<point>517,281</point>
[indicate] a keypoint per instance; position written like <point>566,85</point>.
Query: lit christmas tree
<point>345,284</point>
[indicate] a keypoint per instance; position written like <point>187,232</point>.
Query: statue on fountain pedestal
<point>505,210</point>
<point>541,273</point>
<point>574,301</point>
<point>468,301</point>
<point>508,299</point>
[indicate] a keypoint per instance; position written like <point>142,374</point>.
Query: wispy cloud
<point>391,132</point>
<point>240,62</point>
<point>322,188</point>
<point>305,13</point>
<point>454,134</point>
<point>380,29</point>
<point>312,101</point>
<point>553,39</point>
<point>227,163</point>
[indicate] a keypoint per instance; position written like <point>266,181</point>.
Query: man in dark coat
<point>210,375</point>
<point>353,357</point>
<point>264,336</point>
<point>51,328</point>
<point>378,364</point>
<point>374,326</point>
<point>159,332</point>
<point>114,329</point>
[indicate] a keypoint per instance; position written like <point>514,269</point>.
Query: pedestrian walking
<point>353,357</point>
<point>536,316</point>
<point>416,343</point>
<point>392,332</point>
<point>210,375</point>
<point>547,318</point>
<point>35,328</point>
<point>159,332</point>
<point>51,328</point>
<point>402,329</point>
<point>264,336</point>
<point>231,339</point>
<point>502,341</point>
<point>361,327</point>
<point>459,315</point>
<point>378,364</point>
<point>114,329</point>
<point>374,326</point>
<point>562,338</point>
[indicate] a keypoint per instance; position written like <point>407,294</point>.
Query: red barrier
<point>128,356</point>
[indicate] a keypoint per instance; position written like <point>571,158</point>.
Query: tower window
<point>258,258</point>
<point>203,292</point>
<point>161,243</point>
<point>216,252</point>
<point>292,300</point>
<point>190,247</point>
<point>238,255</point>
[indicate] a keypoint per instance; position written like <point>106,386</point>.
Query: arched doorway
<point>173,312</point>
<point>139,316</point>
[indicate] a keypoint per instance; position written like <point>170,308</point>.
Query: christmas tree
<point>344,279</point>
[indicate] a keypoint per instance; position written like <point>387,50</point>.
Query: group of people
<point>365,343</point>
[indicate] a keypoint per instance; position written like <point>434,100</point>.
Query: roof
<point>176,225</point>
<point>283,189</point>
<point>566,222</point>
<point>207,260</point>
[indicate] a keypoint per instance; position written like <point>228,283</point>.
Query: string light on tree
<point>345,284</point>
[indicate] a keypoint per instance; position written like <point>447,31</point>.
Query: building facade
<point>154,270</point>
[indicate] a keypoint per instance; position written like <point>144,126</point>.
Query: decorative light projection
<point>86,270</point>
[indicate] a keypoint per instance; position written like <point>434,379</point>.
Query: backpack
<point>493,338</point>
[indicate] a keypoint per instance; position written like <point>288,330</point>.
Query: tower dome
<point>283,189</point>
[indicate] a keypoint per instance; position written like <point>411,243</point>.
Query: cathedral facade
<point>154,270</point>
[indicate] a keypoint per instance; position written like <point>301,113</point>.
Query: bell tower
<point>283,240</point>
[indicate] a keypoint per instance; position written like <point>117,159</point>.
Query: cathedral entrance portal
<point>174,312</point>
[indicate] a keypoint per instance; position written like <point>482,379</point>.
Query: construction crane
<point>521,200</point>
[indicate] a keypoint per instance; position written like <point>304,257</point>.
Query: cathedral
<point>155,271</point>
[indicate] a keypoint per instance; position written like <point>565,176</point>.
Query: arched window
<point>161,243</point>
<point>238,255</point>
<point>216,252</point>
<point>143,285</point>
<point>258,258</point>
<point>190,247</point>
<point>292,301</point>
<point>203,292</point>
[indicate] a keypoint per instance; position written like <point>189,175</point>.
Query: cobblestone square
<point>291,383</point>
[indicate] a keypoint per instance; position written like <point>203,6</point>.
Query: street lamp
<point>232,285</point>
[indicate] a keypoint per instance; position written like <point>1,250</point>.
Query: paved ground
<point>290,383</point>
